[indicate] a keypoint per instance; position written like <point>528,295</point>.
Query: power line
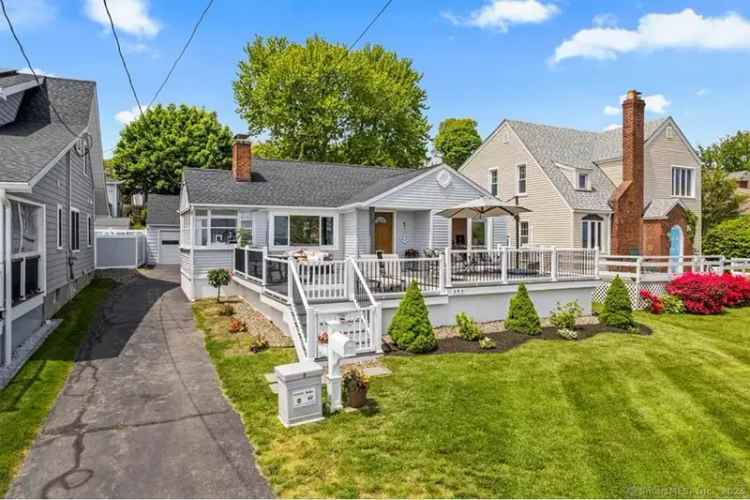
<point>182,52</point>
<point>122,57</point>
<point>31,68</point>
<point>367,28</point>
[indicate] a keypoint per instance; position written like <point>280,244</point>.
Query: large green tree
<point>320,102</point>
<point>155,147</point>
<point>720,199</point>
<point>456,140</point>
<point>732,153</point>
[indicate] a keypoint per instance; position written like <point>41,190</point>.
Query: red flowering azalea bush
<point>655,305</point>
<point>708,293</point>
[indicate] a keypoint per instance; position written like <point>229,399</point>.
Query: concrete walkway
<point>142,414</point>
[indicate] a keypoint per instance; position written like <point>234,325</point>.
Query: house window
<point>682,182</point>
<point>591,232</point>
<point>75,230</point>
<point>60,227</point>
<point>90,230</point>
<point>493,182</point>
<point>303,230</point>
<point>583,181</point>
<point>25,250</point>
<point>521,179</point>
<point>224,226</point>
<point>524,233</point>
<point>478,233</point>
<point>246,228</point>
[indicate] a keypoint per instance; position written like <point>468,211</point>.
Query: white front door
<point>169,247</point>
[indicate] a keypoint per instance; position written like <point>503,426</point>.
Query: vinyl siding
<point>186,262</point>
<point>205,260</point>
<point>422,229</point>
<point>152,241</point>
<point>260,229</point>
<point>661,155</point>
<point>428,193</point>
<point>404,232</point>
<point>613,170</point>
<point>363,231</point>
<point>349,223</point>
<point>52,190</point>
<point>440,231</point>
<point>551,219</point>
<point>499,230</point>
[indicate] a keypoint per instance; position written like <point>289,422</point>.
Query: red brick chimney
<point>242,158</point>
<point>628,200</point>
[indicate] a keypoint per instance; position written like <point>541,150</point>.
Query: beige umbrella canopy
<point>481,208</point>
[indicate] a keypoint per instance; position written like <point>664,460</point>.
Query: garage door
<point>169,247</point>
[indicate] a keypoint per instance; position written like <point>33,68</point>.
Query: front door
<point>675,249</point>
<point>384,232</point>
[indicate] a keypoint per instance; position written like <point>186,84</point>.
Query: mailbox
<point>342,345</point>
<point>300,396</point>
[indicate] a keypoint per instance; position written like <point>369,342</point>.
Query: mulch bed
<point>509,340</point>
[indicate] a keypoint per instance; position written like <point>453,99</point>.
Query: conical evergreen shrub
<point>617,311</point>
<point>410,328</point>
<point>522,316</point>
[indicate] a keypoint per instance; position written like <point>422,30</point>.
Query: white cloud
<point>656,103</point>
<point>611,110</point>
<point>28,13</point>
<point>128,115</point>
<point>130,16</point>
<point>702,92</point>
<point>500,14</point>
<point>612,126</point>
<point>607,19</point>
<point>686,29</point>
<point>38,71</point>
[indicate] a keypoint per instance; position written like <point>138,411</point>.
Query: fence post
<point>721,265</point>
<point>441,275</point>
<point>596,263</point>
<point>312,333</point>
<point>290,278</point>
<point>246,253</point>
<point>553,265</point>
<point>448,277</point>
<point>377,328</point>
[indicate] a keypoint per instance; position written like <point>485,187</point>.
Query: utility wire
<point>31,68</point>
<point>367,28</point>
<point>182,52</point>
<point>122,58</point>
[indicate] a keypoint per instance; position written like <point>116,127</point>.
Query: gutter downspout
<point>8,299</point>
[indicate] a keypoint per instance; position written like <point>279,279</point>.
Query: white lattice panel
<point>634,290</point>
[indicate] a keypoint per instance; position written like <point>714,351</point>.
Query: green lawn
<point>26,401</point>
<point>614,415</point>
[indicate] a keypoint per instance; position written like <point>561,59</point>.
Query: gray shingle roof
<point>297,184</point>
<point>37,136</point>
<point>9,78</point>
<point>659,208</point>
<point>576,148</point>
<point>161,209</point>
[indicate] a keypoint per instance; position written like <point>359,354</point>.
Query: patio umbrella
<point>482,208</point>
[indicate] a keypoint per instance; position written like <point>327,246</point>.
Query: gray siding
<point>52,190</point>
<point>349,224</point>
<point>205,260</point>
<point>9,108</point>
<point>260,229</point>
<point>186,262</point>
<point>404,232</point>
<point>428,193</point>
<point>500,229</point>
<point>363,231</point>
<point>440,231</point>
<point>421,229</point>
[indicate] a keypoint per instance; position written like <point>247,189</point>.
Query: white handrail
<point>358,274</point>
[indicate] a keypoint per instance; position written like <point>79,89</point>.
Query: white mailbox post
<point>339,346</point>
<point>300,397</point>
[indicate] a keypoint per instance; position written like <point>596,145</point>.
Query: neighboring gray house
<point>341,210</point>
<point>163,229</point>
<point>742,178</point>
<point>51,189</point>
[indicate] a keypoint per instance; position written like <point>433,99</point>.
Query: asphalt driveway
<point>142,414</point>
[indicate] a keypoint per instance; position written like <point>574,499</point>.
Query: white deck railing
<point>325,280</point>
<point>658,268</point>
<point>394,275</point>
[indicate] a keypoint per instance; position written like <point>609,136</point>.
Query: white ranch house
<point>366,234</point>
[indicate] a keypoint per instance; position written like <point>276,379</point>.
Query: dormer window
<point>583,181</point>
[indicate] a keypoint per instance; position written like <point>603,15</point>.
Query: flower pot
<point>356,398</point>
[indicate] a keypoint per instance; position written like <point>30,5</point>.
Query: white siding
<point>363,231</point>
<point>349,223</point>
<point>404,232</point>
<point>421,230</point>
<point>207,259</point>
<point>152,242</point>
<point>260,229</point>
<point>500,226</point>
<point>551,219</point>
<point>441,231</point>
<point>186,262</point>
<point>428,193</point>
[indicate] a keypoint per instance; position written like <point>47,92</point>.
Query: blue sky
<point>562,62</point>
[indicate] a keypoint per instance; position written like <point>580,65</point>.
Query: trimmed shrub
<point>522,316</point>
<point>487,343</point>
<point>410,328</point>
<point>730,238</point>
<point>655,305</point>
<point>564,316</point>
<point>672,304</point>
<point>704,293</point>
<point>218,278</point>
<point>617,311</point>
<point>467,328</point>
<point>568,334</point>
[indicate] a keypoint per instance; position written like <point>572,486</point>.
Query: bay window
<point>591,232</point>
<point>303,230</point>
<point>682,182</point>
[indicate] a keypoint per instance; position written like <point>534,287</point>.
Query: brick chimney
<point>628,199</point>
<point>242,158</point>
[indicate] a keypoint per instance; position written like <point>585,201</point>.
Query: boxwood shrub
<point>522,316</point>
<point>410,328</point>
